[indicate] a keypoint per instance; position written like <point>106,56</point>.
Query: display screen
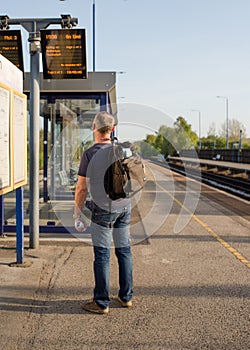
<point>64,53</point>
<point>11,46</point>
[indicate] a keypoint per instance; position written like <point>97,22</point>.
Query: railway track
<point>235,186</point>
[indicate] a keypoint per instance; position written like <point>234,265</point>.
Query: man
<point>109,219</point>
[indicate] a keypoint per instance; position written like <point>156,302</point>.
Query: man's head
<point>103,123</point>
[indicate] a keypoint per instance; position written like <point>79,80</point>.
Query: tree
<point>213,141</point>
<point>169,140</point>
<point>147,147</point>
<point>150,139</point>
<point>234,127</point>
<point>186,138</point>
<point>246,143</point>
<point>212,130</point>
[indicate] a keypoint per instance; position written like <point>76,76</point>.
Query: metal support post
<point>63,147</point>
<point>45,160</point>
<point>70,155</point>
<point>19,226</point>
<point>93,9</point>
<point>34,137</point>
<point>2,215</point>
<point>227,122</point>
<point>103,102</point>
<point>200,146</point>
<point>53,151</point>
<point>199,113</point>
<point>239,149</point>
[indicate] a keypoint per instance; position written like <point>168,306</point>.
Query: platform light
<point>197,110</point>
<point>226,99</point>
<point>4,22</point>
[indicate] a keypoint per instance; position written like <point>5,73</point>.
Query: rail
<point>227,180</point>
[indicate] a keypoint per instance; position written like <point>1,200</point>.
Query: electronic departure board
<point>64,53</point>
<point>11,46</point>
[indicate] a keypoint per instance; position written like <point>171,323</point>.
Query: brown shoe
<point>125,303</point>
<point>94,308</point>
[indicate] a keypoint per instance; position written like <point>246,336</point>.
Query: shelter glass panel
<point>67,132</point>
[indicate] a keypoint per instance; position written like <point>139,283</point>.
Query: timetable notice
<point>64,54</point>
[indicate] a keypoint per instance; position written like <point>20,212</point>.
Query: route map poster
<point>19,137</point>
<point>5,137</point>
<point>13,139</point>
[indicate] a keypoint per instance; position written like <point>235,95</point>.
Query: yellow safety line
<point>232,250</point>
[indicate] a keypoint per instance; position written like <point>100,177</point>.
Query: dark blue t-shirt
<point>93,166</point>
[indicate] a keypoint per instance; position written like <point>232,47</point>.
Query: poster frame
<point>24,98</point>
<point>9,187</point>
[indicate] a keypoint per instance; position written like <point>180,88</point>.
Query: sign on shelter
<point>11,47</point>
<point>64,53</point>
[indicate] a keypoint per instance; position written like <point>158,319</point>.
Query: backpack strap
<point>111,154</point>
<point>114,139</point>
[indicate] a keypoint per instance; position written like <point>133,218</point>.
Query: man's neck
<point>99,138</point>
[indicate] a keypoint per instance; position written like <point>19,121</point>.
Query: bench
<point>217,157</point>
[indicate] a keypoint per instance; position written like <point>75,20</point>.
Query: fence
<point>227,155</point>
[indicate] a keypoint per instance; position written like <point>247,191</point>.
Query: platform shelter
<point>67,109</point>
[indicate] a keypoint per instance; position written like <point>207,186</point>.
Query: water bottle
<point>79,226</point>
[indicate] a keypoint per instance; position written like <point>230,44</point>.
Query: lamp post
<point>93,31</point>
<point>199,112</point>
<point>226,99</point>
<point>239,149</point>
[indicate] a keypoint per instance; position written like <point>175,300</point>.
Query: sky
<point>176,55</point>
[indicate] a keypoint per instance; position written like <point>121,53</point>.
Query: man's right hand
<point>80,225</point>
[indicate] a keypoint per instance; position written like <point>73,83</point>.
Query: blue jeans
<point>102,232</point>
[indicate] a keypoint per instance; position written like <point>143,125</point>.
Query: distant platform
<point>216,165</point>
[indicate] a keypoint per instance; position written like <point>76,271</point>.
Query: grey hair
<point>103,122</point>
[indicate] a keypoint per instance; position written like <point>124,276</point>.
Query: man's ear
<point>93,126</point>
<point>113,128</point>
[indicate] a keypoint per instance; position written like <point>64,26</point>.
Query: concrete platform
<point>191,287</point>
